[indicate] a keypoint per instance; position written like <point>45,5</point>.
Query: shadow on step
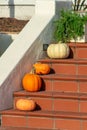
<point>52,71</point>
<point>43,88</point>
<point>38,107</point>
<point>71,54</point>
<point>43,82</point>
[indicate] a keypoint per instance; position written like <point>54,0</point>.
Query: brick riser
<point>62,100</point>
<point>67,66</point>
<point>55,101</point>
<point>64,83</point>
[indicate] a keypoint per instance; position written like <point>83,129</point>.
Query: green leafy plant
<point>69,26</point>
<point>79,5</point>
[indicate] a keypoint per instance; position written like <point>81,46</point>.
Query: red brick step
<point>62,100</point>
<point>45,119</point>
<point>21,128</point>
<point>55,101</point>
<point>77,50</point>
<point>65,83</point>
<point>67,66</point>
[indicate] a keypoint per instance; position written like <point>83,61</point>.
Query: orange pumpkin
<point>31,82</point>
<point>41,68</point>
<point>25,104</point>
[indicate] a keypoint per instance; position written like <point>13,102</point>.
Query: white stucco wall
<point>20,9</point>
<point>25,9</point>
<point>17,2</point>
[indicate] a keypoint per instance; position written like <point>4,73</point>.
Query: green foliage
<point>69,26</point>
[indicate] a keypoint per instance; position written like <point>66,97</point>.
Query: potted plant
<point>80,6</point>
<point>69,26</point>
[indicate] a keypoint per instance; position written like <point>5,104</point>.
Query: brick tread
<point>48,114</point>
<point>64,77</point>
<point>50,94</point>
<point>67,61</point>
<point>21,128</point>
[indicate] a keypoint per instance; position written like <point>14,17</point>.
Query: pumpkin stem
<point>32,71</point>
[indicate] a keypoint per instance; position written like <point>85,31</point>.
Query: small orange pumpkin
<point>41,68</point>
<point>25,104</point>
<point>31,82</point>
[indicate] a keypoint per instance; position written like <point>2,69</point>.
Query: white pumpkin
<point>59,50</point>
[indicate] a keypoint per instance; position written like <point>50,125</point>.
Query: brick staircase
<point>62,101</point>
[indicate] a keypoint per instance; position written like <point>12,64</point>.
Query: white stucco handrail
<point>26,37</point>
